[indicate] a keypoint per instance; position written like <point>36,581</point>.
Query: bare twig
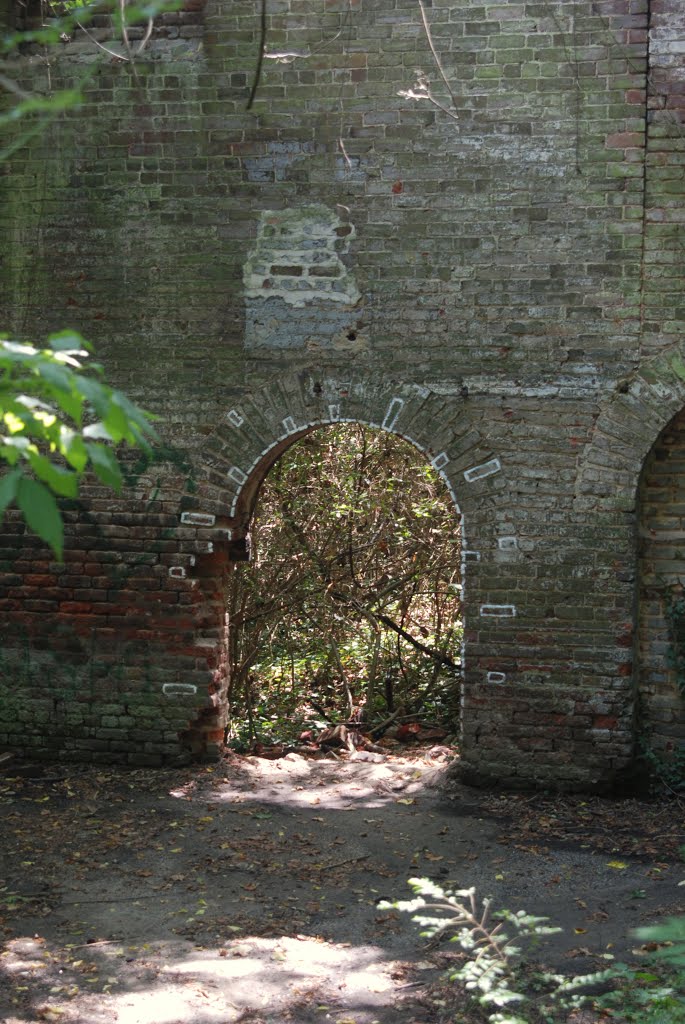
<point>146,38</point>
<point>124,30</point>
<point>260,57</point>
<point>348,860</point>
<point>95,942</point>
<point>112,53</point>
<point>444,659</point>
<point>436,58</point>
<point>346,158</point>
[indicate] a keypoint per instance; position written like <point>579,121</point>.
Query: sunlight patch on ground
<point>298,782</point>
<point>217,986</point>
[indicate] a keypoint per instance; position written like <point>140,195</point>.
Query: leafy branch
<point>492,943</point>
<point>58,421</point>
<point>39,109</point>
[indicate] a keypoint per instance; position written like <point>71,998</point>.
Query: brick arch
<point>262,425</point>
<point>620,476</point>
<point>256,430</point>
<point>625,431</point>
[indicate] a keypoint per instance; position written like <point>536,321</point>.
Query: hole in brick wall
<point>351,607</point>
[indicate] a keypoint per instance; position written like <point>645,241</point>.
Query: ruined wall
<point>474,245</point>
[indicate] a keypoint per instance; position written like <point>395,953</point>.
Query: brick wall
<point>486,266</point>
<point>663,307</point>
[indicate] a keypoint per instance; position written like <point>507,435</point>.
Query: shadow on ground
<point>249,891</point>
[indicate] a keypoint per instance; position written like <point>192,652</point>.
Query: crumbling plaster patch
<point>298,291</point>
<point>297,257</point>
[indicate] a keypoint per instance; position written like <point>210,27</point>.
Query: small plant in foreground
<point>496,975</point>
<point>494,945</point>
<point>652,994</point>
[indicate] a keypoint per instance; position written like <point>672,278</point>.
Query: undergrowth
<point>502,982</point>
<point>666,773</point>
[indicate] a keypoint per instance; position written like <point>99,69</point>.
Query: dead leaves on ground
<point>628,828</point>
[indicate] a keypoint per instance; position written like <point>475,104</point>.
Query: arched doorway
<point>661,582</point>
<point>253,434</point>
<point>350,607</point>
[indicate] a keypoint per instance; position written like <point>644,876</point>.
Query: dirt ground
<point>248,891</point>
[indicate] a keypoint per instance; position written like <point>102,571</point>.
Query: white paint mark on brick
<point>501,611</point>
<point>496,677</point>
<point>177,571</point>
<point>198,519</point>
<point>470,556</point>
<point>235,418</point>
<point>392,413</point>
<point>507,543</point>
<point>408,437</point>
<point>192,559</point>
<point>445,479</point>
<point>440,460</point>
<point>176,689</point>
<point>485,469</point>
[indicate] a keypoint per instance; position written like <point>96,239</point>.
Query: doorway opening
<point>350,610</point>
<point>661,620</point>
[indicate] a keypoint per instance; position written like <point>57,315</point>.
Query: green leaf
<point>14,447</point>
<point>94,392</point>
<point>97,430</point>
<point>60,481</point>
<point>69,341</point>
<point>116,422</point>
<point>41,513</point>
<point>44,395</point>
<point>14,352</point>
<point>105,465</point>
<point>55,373</point>
<point>8,488</point>
<point>73,448</point>
<point>671,931</point>
<point>70,403</point>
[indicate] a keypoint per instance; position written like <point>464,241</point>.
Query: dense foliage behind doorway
<point>351,606</point>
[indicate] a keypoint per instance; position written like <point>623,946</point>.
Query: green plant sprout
<point>496,975</point>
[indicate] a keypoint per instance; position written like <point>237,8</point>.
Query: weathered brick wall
<point>663,307</point>
<point>492,275</point>
<point>104,655</point>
